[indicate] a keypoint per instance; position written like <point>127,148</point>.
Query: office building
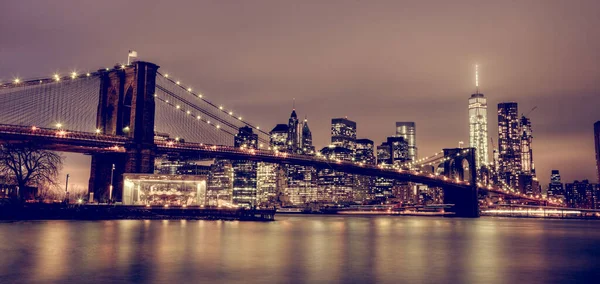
<point>408,131</point>
<point>399,150</point>
<point>343,133</point>
<point>478,136</point>
<point>509,143</point>
<point>555,188</point>
<point>244,171</point>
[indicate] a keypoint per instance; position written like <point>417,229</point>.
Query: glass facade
<point>408,131</point>
<point>509,143</point>
<point>478,137</point>
<point>157,189</point>
<point>343,133</point>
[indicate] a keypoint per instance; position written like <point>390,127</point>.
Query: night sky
<point>376,62</point>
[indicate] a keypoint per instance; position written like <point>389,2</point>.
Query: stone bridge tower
<point>125,108</point>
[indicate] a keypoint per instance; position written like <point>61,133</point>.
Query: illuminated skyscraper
<point>509,143</point>
<point>343,133</point>
<point>527,166</point>
<point>478,137</point>
<point>597,140</point>
<point>294,140</point>
<point>306,138</point>
<point>244,171</point>
<point>408,131</point>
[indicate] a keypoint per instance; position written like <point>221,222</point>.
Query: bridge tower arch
<point>461,165</point>
<point>126,107</point>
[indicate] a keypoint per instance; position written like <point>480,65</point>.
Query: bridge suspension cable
<point>196,109</point>
<point>68,101</point>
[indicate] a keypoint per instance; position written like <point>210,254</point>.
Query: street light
<point>112,170</point>
<point>67,190</point>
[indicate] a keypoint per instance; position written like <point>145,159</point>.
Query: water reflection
<point>301,249</point>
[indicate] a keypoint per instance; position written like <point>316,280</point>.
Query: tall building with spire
<point>294,133</point>
<point>306,139</point>
<point>478,137</point>
<point>527,166</point>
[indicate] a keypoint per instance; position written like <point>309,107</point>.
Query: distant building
<point>408,131</point>
<point>555,188</point>
<point>509,143</point>
<point>364,152</point>
<point>527,165</point>
<point>266,183</point>
<point>478,135</point>
<point>597,142</point>
<point>244,171</point>
<point>343,133</point>
<point>306,138</point>
<point>220,182</point>
<point>294,141</point>
<point>399,150</point>
<point>384,154</point>
<point>335,186</point>
<point>364,184</point>
<point>581,195</point>
<point>279,137</point>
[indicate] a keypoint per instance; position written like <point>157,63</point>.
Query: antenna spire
<point>476,79</point>
<point>294,103</point>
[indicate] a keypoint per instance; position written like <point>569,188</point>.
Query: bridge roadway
<point>88,143</point>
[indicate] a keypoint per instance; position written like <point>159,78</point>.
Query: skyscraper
<point>399,150</point>
<point>343,133</point>
<point>527,166</point>
<point>408,131</point>
<point>509,143</point>
<point>294,141</point>
<point>364,151</point>
<point>597,140</point>
<point>478,137</point>
<point>307,146</point>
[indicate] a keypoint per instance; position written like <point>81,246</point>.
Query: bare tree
<point>29,165</point>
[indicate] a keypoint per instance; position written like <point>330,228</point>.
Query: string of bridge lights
<point>56,77</point>
<point>200,96</point>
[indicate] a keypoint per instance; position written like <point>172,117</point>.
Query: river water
<point>302,249</point>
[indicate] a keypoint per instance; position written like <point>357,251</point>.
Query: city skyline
<point>429,89</point>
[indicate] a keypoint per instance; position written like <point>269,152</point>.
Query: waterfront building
<point>581,195</point>
<point>335,186</point>
<point>220,182</point>
<point>363,187</point>
<point>244,171</point>
<point>266,183</point>
<point>509,143</point>
<point>408,131</point>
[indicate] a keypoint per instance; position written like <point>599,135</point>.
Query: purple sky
<point>376,62</point>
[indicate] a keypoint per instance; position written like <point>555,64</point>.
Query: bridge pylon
<point>461,165</point>
<point>126,107</point>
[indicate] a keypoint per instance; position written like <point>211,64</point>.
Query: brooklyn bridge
<point>129,115</point>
